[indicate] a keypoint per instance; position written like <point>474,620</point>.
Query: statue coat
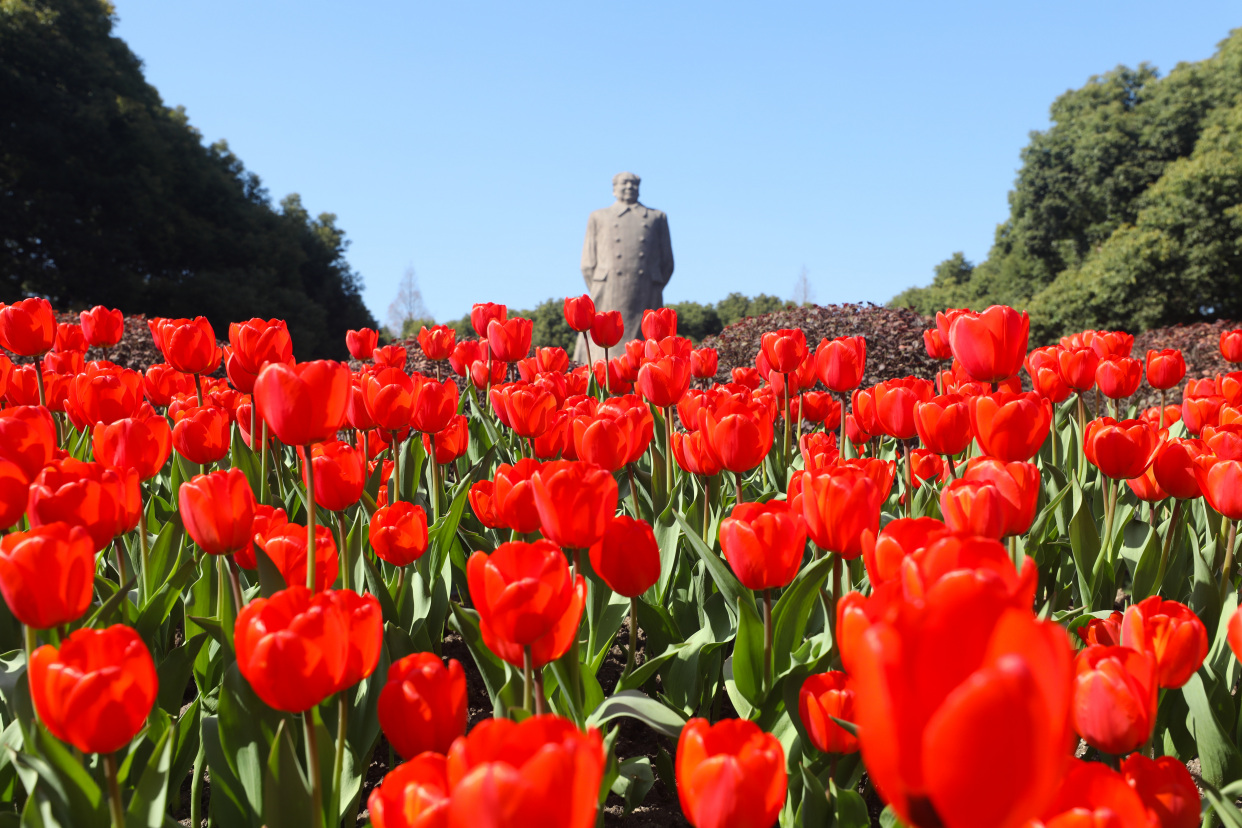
<point>627,259</point>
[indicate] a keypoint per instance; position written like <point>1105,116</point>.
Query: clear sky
<point>863,141</point>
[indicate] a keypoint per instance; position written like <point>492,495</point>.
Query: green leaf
<point>634,780</point>
<point>814,810</point>
<point>726,582</point>
<point>465,622</point>
<point>667,534</point>
<point>1218,756</point>
<point>647,670</point>
<point>849,808</point>
<point>247,728</point>
<point>175,670</point>
<point>793,610</point>
<point>148,805</point>
<point>160,605</point>
<point>748,655</point>
<point>228,804</point>
<point>658,716</point>
<point>287,791</point>
<point>377,587</point>
<point>889,818</point>
<point>1218,655</point>
<point>1085,543</point>
<point>1146,541</point>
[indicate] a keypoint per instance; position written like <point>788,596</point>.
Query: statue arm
<point>588,253</point>
<point>666,252</point>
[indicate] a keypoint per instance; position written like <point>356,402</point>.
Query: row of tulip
<point>937,590</point>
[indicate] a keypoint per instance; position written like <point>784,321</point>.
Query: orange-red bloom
<point>523,407</point>
<point>895,403</point>
<point>1221,484</point>
<point>1231,345</point>
<point>303,403</point>
<point>139,443</point>
<point>47,574</point>
<point>188,345</point>
<point>607,329</point>
<point>340,474</point>
<point>398,533</point>
<point>162,382</point>
<point>509,339</point>
<point>104,393</point>
<point>936,345</point>
<point>730,774</point>
<point>579,313</point>
<point>991,345</point>
<point>361,343</point>
<point>1103,631</point>
<point>901,538</point>
<point>103,501</point>
<point>1171,634</point>
<point>451,441</point>
<point>739,433</point>
<point>1114,698</point>
<point>784,349</point>
<point>575,501</point>
<point>763,543</point>
<point>824,697</point>
<point>102,327</point>
<point>513,496</point>
<point>974,507</point>
<point>943,424</point>
<point>201,435</point>
<point>423,704</point>
<point>664,381</point>
<point>414,794</point>
<point>1175,468</point>
<point>257,342</point>
<point>1120,450</point>
<point>27,438</point>
<point>839,506</point>
<point>96,691</point>
<point>1093,795</point>
<point>286,545</point>
<point>627,556</point>
<point>218,511</point>
<point>1165,368</point>
<point>704,362</point>
<point>437,342</point>
<point>297,649</point>
<point>482,314</point>
<point>1010,426</point>
<point>27,327</point>
<point>1118,377</point>
<point>434,405</point>
<point>1018,483</point>
<point>1166,788</point>
<point>840,363</point>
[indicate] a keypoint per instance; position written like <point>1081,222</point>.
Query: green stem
<point>394,480</point>
<point>909,479</point>
<point>144,547</point>
<point>737,487</point>
<point>435,480</point>
<point>39,382</point>
<point>841,444</point>
<point>312,766</point>
<point>707,509</point>
<point>348,564</point>
<point>630,656</point>
<point>196,787</point>
<point>114,789</point>
<point>198,387</point>
<point>31,640</point>
<point>528,681</point>
<point>310,519</point>
<point>1167,547</point>
<point>1226,573</point>
<point>767,639</point>
<point>668,450</point>
<point>265,487</point>
<point>338,762</point>
<point>788,424</point>
<point>235,584</point>
<point>400,588</point>
<point>836,596</point>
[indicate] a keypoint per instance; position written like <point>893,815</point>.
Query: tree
<point>407,313</point>
<point>803,293</point>
<point>110,197</point>
<point>1124,211</point>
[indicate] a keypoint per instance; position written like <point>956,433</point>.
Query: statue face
<point>626,190</point>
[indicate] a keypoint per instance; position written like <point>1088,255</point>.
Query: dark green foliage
<point>1126,212</point>
<point>111,198</point>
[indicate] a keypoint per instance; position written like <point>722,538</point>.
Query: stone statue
<point>627,258</point>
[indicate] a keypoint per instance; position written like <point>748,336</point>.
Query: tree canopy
<point>110,197</point>
<point>1126,213</point>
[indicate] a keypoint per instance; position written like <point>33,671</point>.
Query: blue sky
<point>863,141</point>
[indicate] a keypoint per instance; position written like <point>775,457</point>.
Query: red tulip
<point>991,345</point>
<point>557,442</point>
<point>69,338</point>
<point>603,440</point>
<point>1166,788</point>
<point>943,424</point>
<point>1019,485</point>
<point>1234,633</point>
<point>297,648</point>
<point>286,545</point>
<point>607,329</point>
<point>1171,634</point>
<point>102,327</point>
<point>437,342</point>
<point>267,520</point>
<point>1119,377</point>
<point>818,407</point>
<point>27,327</point>
<point>398,533</point>
<point>1165,368</point>
<point>466,353</point>
<point>1114,698</point>
<point>96,691</point>
<point>14,490</point>
<point>340,474</point>
<point>739,434</point>
<point>482,314</point>
<point>819,451</point>
<point>103,501</point>
<point>201,435</point>
<point>434,405</point>
<point>188,345</point>
<point>543,771</point>
<point>664,381</point>
<point>784,349</point>
<point>1162,419</point>
<point>388,394</point>
<point>1120,450</point>
<point>659,323</point>
<point>303,403</point>
<point>1103,631</point>
<point>575,502</point>
<point>27,438</point>
<point>974,507</point>
<point>704,363</point>
<point>64,362</point>
<point>1199,412</point>
<point>361,343</point>
<point>627,557</point>
<point>579,313</point>
<point>839,506</point>
<point>1224,441</point>
<point>257,342</point>
<point>1047,379</point>
<point>514,496</point>
<point>162,382</point>
<point>694,454</point>
<point>960,670</point>
<point>746,376</point>
<point>525,408</point>
<point>824,697</point>
<point>730,774</point>
<point>840,363</point>
<point>218,511</point>
<point>451,441</point>
<point>1231,345</point>
<point>900,539</point>
<point>763,543</point>
<point>895,402</point>
<point>1009,426</point>
<point>509,340</point>
<point>1093,794</point>
<point>937,346</point>
<point>412,795</point>
<point>423,704</point>
<point>1079,367</point>
<point>390,356</point>
<point>1221,484</point>
<point>105,393</point>
<point>47,574</point>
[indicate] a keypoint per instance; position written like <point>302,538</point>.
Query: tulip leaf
<point>667,534</point>
<point>166,550</point>
<point>635,778</point>
<point>1218,655</point>
<point>814,809</point>
<point>148,805</point>
<point>637,705</point>
<point>748,655</point>
<point>465,622</point>
<point>889,818</point>
<point>1085,543</point>
<point>247,729</point>
<point>1230,816</point>
<point>228,804</point>
<point>186,742</point>
<point>175,670</point>
<point>104,615</point>
<point>645,671</point>
<point>729,586</point>
<point>849,808</point>
<point>1218,756</point>
<point>55,802</point>
<point>1060,489</point>
<point>159,606</point>
<point>287,792</point>
<point>793,610</point>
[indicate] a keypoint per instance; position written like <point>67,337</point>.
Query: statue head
<point>625,187</point>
